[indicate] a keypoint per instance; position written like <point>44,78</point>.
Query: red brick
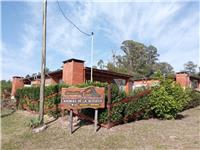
<point>73,72</point>
<point>16,84</point>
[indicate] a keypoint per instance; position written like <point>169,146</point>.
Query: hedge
<point>123,111</point>
<point>165,100</point>
<point>194,100</point>
<point>29,96</point>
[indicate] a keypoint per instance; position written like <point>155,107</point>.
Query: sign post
<point>79,98</point>
<point>95,120</point>
<point>109,105</point>
<point>71,121</point>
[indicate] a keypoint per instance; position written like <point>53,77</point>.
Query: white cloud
<point>166,25</point>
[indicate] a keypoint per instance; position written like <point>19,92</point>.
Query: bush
<point>168,99</point>
<point>194,100</point>
<point>30,97</point>
<point>5,87</point>
<point>122,111</point>
<point>34,122</point>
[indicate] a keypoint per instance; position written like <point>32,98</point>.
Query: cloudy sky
<point>172,27</point>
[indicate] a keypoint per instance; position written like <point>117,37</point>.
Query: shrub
<point>194,100</point>
<point>34,122</point>
<point>168,99</point>
<point>116,95</point>
<point>89,83</point>
<point>5,87</point>
<point>123,110</point>
<point>30,97</point>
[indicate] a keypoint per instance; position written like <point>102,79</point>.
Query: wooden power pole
<point>43,63</point>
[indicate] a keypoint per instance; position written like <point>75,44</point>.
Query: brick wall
<point>148,82</point>
<point>73,72</point>
<point>183,79</point>
<point>128,86</point>
<point>17,83</point>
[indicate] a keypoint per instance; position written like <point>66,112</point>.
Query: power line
<point>72,22</point>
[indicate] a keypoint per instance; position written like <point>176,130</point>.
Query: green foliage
<point>89,83</point>
<point>190,67</point>
<point>194,100</point>
<point>6,87</point>
<point>137,106</point>
<point>30,96</point>
<point>124,110</point>
<point>138,60</point>
<point>168,99</point>
<point>34,122</point>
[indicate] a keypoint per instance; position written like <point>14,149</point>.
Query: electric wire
<point>62,12</point>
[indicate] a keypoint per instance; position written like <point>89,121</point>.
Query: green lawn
<point>143,134</point>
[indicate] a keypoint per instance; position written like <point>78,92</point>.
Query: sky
<point>171,26</point>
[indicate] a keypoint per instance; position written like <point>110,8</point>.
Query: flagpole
<point>92,43</point>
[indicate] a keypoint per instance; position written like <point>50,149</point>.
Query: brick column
<point>128,86</point>
<point>73,71</point>
<point>183,79</point>
<point>17,83</point>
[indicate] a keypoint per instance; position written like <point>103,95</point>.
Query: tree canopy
<point>190,67</point>
<point>138,60</point>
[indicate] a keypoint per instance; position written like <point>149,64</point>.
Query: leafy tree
<point>27,76</point>
<point>34,74</point>
<point>138,60</point>
<point>164,68</point>
<point>47,70</point>
<point>190,67</point>
<point>6,87</point>
<point>100,64</point>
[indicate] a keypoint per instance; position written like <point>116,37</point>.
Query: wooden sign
<point>77,98</point>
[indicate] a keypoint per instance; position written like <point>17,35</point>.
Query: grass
<point>144,134</point>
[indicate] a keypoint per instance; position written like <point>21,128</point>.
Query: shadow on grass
<point>180,116</point>
<point>49,122</point>
<point>84,123</point>
<point>8,114</point>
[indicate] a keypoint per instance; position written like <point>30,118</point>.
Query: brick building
<point>183,78</point>
<point>74,72</point>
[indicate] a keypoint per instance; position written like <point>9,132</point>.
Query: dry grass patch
<point>143,134</point>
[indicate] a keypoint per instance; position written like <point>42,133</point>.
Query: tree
<point>138,60</point>
<point>47,70</point>
<point>100,64</point>
<point>190,67</point>
<point>164,68</point>
<point>27,76</point>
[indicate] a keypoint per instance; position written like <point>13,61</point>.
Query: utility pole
<point>43,63</point>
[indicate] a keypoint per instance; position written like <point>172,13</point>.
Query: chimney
<point>183,79</point>
<point>17,83</point>
<point>73,71</point>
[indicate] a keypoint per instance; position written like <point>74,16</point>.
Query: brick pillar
<point>73,71</point>
<point>183,79</point>
<point>128,86</point>
<point>17,83</point>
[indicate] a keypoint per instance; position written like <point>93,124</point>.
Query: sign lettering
<point>77,98</point>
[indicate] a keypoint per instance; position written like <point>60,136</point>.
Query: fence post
<point>109,105</point>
